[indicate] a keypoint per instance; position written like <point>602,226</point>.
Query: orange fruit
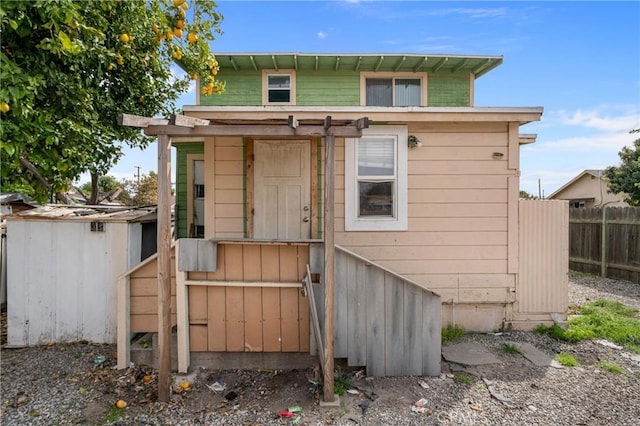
<point>177,32</point>
<point>155,28</point>
<point>145,379</point>
<point>177,3</point>
<point>185,385</point>
<point>185,6</point>
<point>177,54</point>
<point>192,38</point>
<point>4,107</point>
<point>121,404</point>
<point>180,24</point>
<point>125,38</point>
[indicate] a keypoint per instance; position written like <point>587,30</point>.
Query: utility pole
<point>539,190</point>
<point>138,175</point>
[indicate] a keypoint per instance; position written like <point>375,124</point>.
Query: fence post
<point>603,244</point>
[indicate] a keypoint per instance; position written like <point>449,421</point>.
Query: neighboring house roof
<point>378,62</point>
<point>593,172</point>
<point>94,213</point>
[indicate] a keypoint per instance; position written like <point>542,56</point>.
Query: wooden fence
<point>605,241</point>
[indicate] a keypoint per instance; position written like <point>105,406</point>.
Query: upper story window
<point>393,90</point>
<point>278,87</point>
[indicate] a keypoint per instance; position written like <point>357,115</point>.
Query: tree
<point>108,187</point>
<point>144,192</point>
<point>68,67</point>
<point>526,195</point>
<point>626,177</point>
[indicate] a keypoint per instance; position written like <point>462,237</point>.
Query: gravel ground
<point>67,384</point>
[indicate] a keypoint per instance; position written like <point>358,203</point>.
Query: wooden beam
<point>337,63</point>
<point>233,63</point>
<point>459,66</point>
<point>361,123</point>
<point>130,120</point>
<point>164,266</point>
<point>275,63</point>
<point>400,62</point>
<point>253,62</point>
<point>295,62</point>
<point>252,131</point>
<point>379,64</point>
<point>186,121</point>
<point>329,255</point>
<point>440,64</point>
<point>358,64</point>
<point>327,122</point>
<point>421,64</point>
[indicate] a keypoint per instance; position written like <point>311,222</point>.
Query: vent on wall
<point>97,226</point>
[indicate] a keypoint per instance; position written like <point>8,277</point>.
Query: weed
<point>452,333</point>
<point>510,349</point>
<point>463,378</point>
<point>341,382</point>
<point>600,319</point>
<point>610,367</point>
<point>567,360</point>
<point>112,415</point>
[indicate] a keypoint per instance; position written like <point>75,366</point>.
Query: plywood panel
<point>357,314</point>
<point>233,263</point>
<point>253,319</point>
<point>413,335</point>
<point>394,325</point>
<point>143,286</point>
<point>270,263</point>
<point>235,319</point>
<point>290,319</point>
<point>147,323</point>
<point>375,297</point>
<point>198,338</point>
<point>197,304</point>
<point>271,319</point>
<point>220,272</point>
<point>217,330</point>
<point>252,262</point>
<point>303,260</point>
<point>288,263</point>
<point>344,274</point>
<point>148,305</point>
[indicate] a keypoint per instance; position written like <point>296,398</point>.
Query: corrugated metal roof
<point>378,62</point>
<point>87,213</point>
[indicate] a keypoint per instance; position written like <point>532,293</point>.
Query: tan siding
<point>432,181</point>
<point>433,252</point>
<point>457,210</point>
<point>353,239</point>
<point>456,167</point>
<point>465,196</point>
<point>464,153</point>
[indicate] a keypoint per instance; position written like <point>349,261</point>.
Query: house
<point>589,189</point>
<point>62,265</point>
<point>370,182</point>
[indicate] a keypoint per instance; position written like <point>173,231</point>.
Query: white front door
<point>282,207</point>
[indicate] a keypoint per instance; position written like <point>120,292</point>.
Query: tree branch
<point>29,166</point>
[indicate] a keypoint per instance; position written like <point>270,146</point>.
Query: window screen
<point>279,88</point>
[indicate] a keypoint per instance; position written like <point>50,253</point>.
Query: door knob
<point>305,219</point>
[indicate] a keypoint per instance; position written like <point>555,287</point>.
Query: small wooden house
<point>387,159</point>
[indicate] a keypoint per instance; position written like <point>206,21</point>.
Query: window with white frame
<point>393,91</point>
<point>376,180</point>
<point>279,87</point>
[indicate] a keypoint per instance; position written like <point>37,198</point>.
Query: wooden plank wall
<point>384,322</point>
<point>458,241</point>
<point>143,284</point>
<point>621,250</point>
<point>251,318</point>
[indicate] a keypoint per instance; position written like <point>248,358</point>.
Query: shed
<point>63,262</point>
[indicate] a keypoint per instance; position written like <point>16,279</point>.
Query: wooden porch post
<point>329,251</point>
<point>164,265</point>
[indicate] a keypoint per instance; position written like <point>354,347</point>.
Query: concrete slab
<point>469,353</point>
<point>330,404</point>
<point>533,354</point>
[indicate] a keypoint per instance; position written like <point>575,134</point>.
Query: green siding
<point>341,88</point>
<point>445,90</point>
<point>243,88</point>
<point>182,150</point>
<point>328,88</point>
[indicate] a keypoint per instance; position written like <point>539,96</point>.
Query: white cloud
<point>322,34</point>
<point>600,120</point>
<point>598,142</point>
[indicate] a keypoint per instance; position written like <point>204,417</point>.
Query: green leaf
<point>13,24</point>
<point>8,148</point>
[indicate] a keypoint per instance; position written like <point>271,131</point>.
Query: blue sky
<point>578,60</point>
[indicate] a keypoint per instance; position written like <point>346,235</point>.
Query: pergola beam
<point>348,131</point>
<point>131,120</point>
<point>186,121</point>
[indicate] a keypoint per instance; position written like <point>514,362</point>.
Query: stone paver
<point>469,353</point>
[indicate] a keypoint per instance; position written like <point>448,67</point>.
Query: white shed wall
<point>61,280</point>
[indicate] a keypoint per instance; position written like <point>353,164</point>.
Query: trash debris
<point>231,396</point>
<point>420,406</point>
<point>296,409</point>
<point>99,359</point>
<point>476,408</point>
<point>364,405</point>
<point>218,386</point>
<point>286,413</point>
<point>505,401</point>
<point>296,420</point>
<point>423,384</point>
<point>353,392</point>
<point>608,344</point>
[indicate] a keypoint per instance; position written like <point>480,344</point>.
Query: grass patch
<point>463,378</point>
<point>567,360</point>
<point>112,415</point>
<point>451,333</point>
<point>600,319</point>
<point>341,382</point>
<point>610,367</point>
<point>510,349</point>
